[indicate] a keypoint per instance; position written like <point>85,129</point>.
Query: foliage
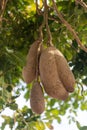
<point>18,30</point>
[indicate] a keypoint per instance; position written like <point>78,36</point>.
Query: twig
<point>46,22</point>
<point>20,113</point>
<point>38,51</point>
<point>37,9</point>
<point>40,12</point>
<point>69,27</point>
<point>40,38</point>
<point>2,8</point>
<point>83,4</point>
<point>40,31</point>
<point>82,89</point>
<point>37,6</point>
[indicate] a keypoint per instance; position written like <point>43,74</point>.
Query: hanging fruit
<point>29,71</point>
<point>55,74</point>
<point>37,98</point>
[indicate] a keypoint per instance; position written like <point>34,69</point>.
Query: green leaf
<point>49,125</point>
<point>9,88</point>
<point>26,96</point>
<point>83,128</point>
<point>13,106</point>
<point>40,125</point>
<point>52,102</point>
<point>3,126</point>
<point>84,81</point>
<point>59,119</point>
<point>84,105</point>
<point>75,104</point>
<point>78,124</point>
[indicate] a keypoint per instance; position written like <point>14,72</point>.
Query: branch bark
<point>46,22</point>
<point>83,4</point>
<point>69,27</point>
<point>2,9</point>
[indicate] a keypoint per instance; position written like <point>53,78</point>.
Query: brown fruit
<point>29,71</point>
<point>55,74</point>
<point>65,74</point>
<point>37,98</point>
<point>49,75</point>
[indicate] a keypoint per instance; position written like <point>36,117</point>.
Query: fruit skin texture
<point>29,70</point>
<point>37,98</point>
<point>52,65</point>
<point>65,74</point>
<point>49,75</point>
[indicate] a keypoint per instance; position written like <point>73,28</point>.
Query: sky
<point>81,117</point>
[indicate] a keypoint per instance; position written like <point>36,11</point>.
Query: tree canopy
<point>66,25</point>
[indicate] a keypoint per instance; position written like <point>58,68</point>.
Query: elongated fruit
<point>29,70</point>
<point>37,98</point>
<point>50,77</point>
<point>53,66</point>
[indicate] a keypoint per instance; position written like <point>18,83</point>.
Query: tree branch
<point>69,27</point>
<point>2,9</point>
<point>83,4</point>
<point>46,22</point>
<point>38,11</point>
<point>40,39</point>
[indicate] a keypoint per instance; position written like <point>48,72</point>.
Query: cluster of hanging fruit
<point>49,71</point>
